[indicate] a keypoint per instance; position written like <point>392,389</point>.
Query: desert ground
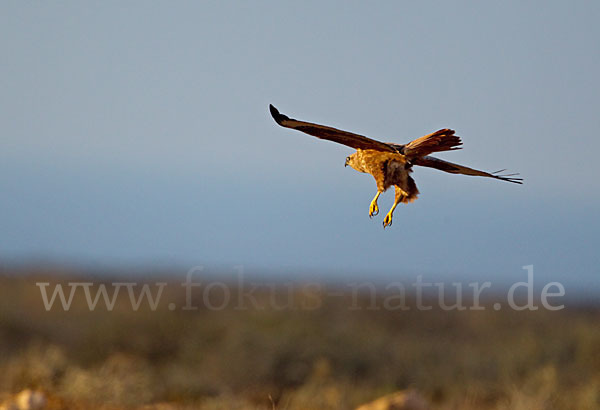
<point>306,346</point>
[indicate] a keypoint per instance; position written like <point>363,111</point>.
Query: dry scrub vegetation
<point>328,357</point>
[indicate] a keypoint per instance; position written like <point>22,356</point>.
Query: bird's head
<point>354,162</point>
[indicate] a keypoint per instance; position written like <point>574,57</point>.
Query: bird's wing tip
<point>277,116</point>
<point>510,178</point>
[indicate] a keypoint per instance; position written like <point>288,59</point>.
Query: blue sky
<point>139,133</point>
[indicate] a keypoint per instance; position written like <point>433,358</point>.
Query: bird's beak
<point>345,165</point>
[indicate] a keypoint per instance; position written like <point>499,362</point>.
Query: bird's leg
<point>373,208</point>
<point>388,218</point>
<point>400,195</point>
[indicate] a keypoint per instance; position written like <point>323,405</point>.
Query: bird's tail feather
<point>411,191</point>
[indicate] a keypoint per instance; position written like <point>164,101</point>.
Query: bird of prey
<point>390,163</point>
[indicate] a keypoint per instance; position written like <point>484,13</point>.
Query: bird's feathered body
<point>390,163</point>
<point>388,169</point>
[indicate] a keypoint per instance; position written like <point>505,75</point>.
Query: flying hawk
<point>389,163</point>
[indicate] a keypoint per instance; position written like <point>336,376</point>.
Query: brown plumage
<point>389,163</point>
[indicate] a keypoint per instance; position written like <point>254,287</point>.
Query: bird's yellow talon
<point>387,221</point>
<point>373,210</point>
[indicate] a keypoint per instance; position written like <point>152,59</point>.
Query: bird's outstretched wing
<point>452,168</point>
<point>330,133</point>
<point>441,140</point>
